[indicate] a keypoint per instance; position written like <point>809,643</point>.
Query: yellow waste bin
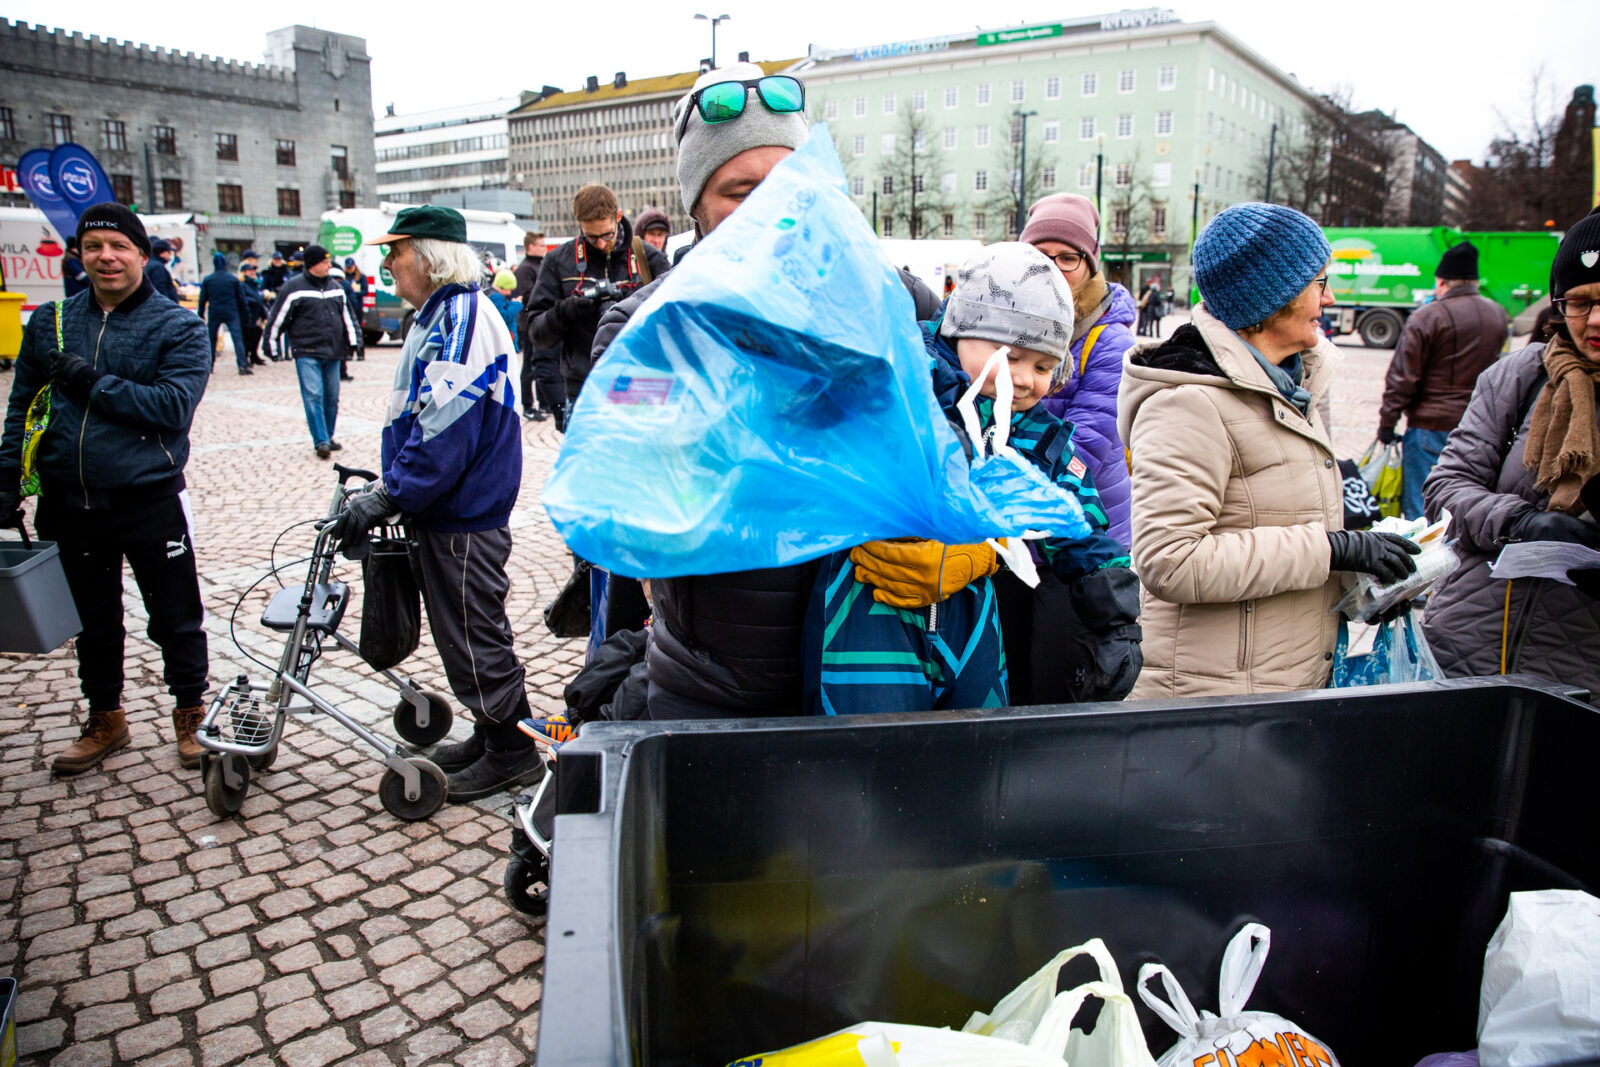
<point>11,324</point>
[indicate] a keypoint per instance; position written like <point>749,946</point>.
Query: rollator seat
<point>328,602</point>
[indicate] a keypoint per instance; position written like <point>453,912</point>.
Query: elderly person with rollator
<point>1524,465</point>
<point>1238,508</point>
<point>452,465</point>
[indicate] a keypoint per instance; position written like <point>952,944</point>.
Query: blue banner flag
<point>78,178</point>
<point>33,174</point>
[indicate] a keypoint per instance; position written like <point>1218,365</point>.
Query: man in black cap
<point>273,277</point>
<point>314,317</point>
<point>1445,346</point>
<point>126,370</point>
<point>158,271</point>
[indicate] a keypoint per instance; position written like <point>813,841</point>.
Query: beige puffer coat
<point>1233,494</point>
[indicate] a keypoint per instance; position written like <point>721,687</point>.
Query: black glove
<point>1554,526</point>
<point>1117,662</point>
<point>1397,611</point>
<point>575,307</point>
<point>1386,435</point>
<point>10,507</point>
<point>1385,556</point>
<point>362,511</point>
<point>73,374</point>
<point>1587,579</point>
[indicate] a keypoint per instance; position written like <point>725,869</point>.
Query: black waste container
<point>724,888</point>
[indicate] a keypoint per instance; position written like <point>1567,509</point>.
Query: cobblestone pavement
<point>315,928</point>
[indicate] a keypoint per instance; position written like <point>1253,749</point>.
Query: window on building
<point>947,225</point>
<point>171,193</point>
<point>1019,91</point>
<point>980,225</point>
<point>285,154</point>
<point>166,139</point>
<point>1125,81</point>
<point>1016,132</point>
<point>113,135</point>
<point>340,160</point>
<point>858,186</point>
<point>1166,77</point>
<point>983,94</point>
<point>1124,175</point>
<point>916,227</point>
<point>1124,126</point>
<point>1091,85</point>
<point>1052,87</point>
<point>888,185</point>
<point>952,96</point>
<point>888,103</point>
<point>1158,220</point>
<point>980,181</point>
<point>1119,221</point>
<point>60,127</point>
<point>1161,174</point>
<point>228,146</point>
<point>951,137</point>
<point>288,201</point>
<point>980,137</point>
<point>919,100</point>
<point>888,225</point>
<point>831,110</point>
<point>1209,118</point>
<point>1011,225</point>
<point>1211,79</point>
<point>230,198</point>
<point>347,198</point>
<point>1086,128</point>
<point>8,125</point>
<point>1052,132</point>
<point>859,144</point>
<point>122,188</point>
<point>919,142</point>
<point>1085,175</point>
<point>887,146</point>
<point>1163,123</point>
<point>861,107</point>
<point>1047,177</point>
<point>947,183</point>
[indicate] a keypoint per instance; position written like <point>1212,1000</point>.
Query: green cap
<point>434,223</point>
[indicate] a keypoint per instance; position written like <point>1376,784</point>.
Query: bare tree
<point>1128,213</point>
<point>1520,187</point>
<point>912,185</point>
<point>1006,175</point>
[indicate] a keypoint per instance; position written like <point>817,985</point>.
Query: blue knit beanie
<point>1252,259</point>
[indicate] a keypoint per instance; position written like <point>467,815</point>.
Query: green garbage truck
<point>1379,276</point>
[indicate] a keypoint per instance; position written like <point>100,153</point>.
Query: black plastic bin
<point>742,886</point>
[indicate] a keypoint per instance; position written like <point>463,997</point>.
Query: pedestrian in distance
<point>452,465</point>
<point>499,295</point>
<point>255,308</point>
<point>1446,344</point>
<point>126,369</point>
<point>357,286</point>
<point>316,321</point>
<point>224,307</point>
<point>653,227</point>
<point>543,393</point>
<point>1066,227</point>
<point>74,279</point>
<point>272,279</point>
<point>1237,503</point>
<point>159,269</point>
<point>1523,464</point>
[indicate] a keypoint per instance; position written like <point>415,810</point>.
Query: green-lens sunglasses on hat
<point>725,101</point>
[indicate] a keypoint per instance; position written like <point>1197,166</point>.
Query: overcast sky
<point>1443,68</point>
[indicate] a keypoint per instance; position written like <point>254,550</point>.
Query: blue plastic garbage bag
<point>1399,654</point>
<point>772,403</point>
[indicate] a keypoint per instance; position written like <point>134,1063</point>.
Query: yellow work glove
<point>914,574</point>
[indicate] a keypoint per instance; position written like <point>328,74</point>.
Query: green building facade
<point>1171,120</point>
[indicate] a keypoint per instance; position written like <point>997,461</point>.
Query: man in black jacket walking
<point>564,307</point>
<point>312,314</point>
<point>543,393</point>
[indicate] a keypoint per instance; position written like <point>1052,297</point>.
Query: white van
<point>345,231</point>
<point>31,253</point>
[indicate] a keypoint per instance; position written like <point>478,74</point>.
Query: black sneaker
<point>498,770</point>
<point>536,415</point>
<point>454,756</point>
<point>323,450</point>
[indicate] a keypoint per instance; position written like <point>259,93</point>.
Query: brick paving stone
<point>522,994</point>
<point>332,918</point>
<point>296,1018</point>
<point>194,906</point>
<point>434,1001</point>
<point>459,953</point>
<point>161,971</point>
<point>409,974</point>
<point>226,1012</point>
<point>286,903</point>
<point>339,973</point>
<point>237,892</point>
<point>520,955</point>
<point>86,1054</point>
<point>342,945</point>
<point>428,907</point>
<point>382,928</point>
<point>374,1058</point>
<point>100,990</point>
<point>298,958</point>
<point>103,1019</point>
<point>226,922</point>
<point>481,1020</point>
<point>144,1040</point>
<point>117,955</point>
<point>229,1046</point>
<point>494,1053</point>
<point>318,1049</point>
<point>441,933</point>
<point>246,974</point>
<point>477,978</point>
<point>285,990</point>
<point>431,1044</point>
<point>216,952</point>
<point>41,1036</point>
<point>387,1025</point>
<point>354,1000</point>
<point>290,931</point>
<point>179,996</point>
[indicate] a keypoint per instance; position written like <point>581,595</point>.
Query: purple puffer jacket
<point>1089,402</point>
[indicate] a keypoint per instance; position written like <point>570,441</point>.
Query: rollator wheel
<point>413,733</point>
<point>266,759</point>
<point>225,800</point>
<point>528,884</point>
<point>392,792</point>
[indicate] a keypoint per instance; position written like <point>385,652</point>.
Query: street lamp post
<point>1099,174</point>
<point>1022,168</point>
<point>1194,218</point>
<point>714,19</point>
<point>1272,151</point>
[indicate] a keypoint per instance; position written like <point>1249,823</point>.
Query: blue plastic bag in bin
<point>772,402</point>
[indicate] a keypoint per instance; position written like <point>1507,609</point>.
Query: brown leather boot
<point>103,734</point>
<point>185,721</point>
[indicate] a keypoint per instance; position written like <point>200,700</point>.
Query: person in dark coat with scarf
<point>158,271</point>
<point>224,307</point>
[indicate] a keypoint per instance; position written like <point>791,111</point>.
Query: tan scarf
<point>1088,304</point>
<point>1563,448</point>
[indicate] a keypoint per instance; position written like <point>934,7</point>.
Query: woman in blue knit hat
<point>1237,502</point>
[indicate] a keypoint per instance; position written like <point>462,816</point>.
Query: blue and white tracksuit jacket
<point>452,442</point>
<point>863,656</point>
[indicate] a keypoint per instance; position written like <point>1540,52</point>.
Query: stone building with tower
<point>255,152</point>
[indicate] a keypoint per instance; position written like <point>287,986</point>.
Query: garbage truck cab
<point>345,231</point>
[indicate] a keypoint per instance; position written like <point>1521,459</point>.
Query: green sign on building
<point>1026,33</point>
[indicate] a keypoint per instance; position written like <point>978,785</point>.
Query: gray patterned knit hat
<point>1012,294</point>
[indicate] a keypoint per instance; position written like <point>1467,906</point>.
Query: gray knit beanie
<point>1011,294</point>
<point>702,147</point>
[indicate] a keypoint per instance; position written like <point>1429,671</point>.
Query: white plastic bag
<point>1365,599</point>
<point>1540,1000</point>
<point>1202,1036</point>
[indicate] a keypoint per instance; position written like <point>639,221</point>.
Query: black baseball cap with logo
<point>427,221</point>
